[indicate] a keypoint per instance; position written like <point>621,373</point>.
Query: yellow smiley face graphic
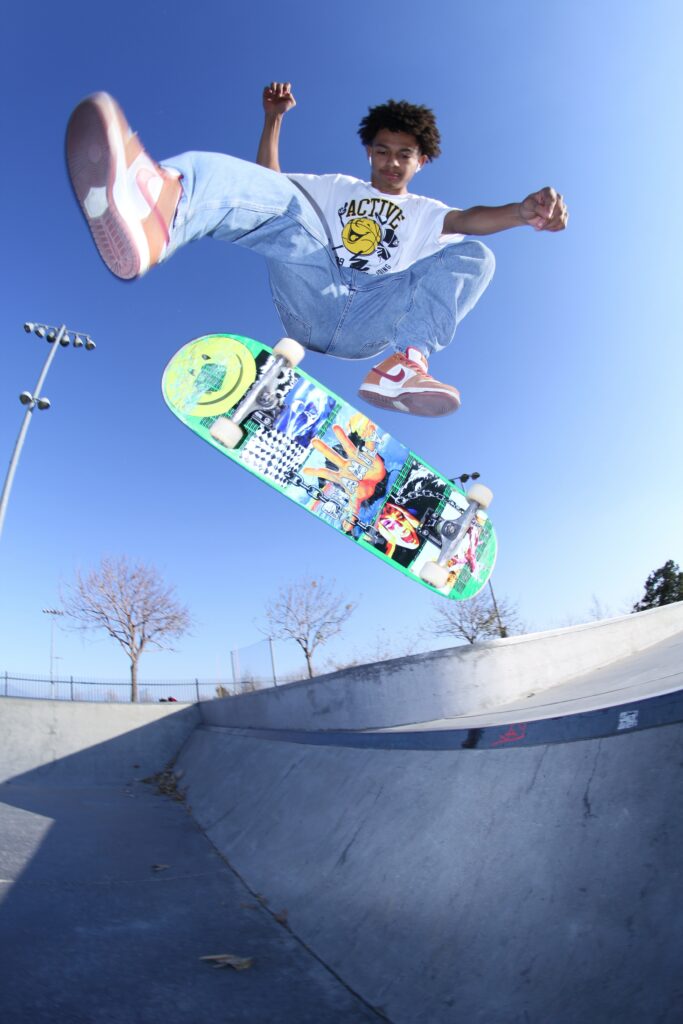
<point>214,374</point>
<point>361,236</point>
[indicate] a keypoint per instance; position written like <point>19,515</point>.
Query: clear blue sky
<point>570,368</point>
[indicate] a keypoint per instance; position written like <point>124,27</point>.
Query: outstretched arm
<point>544,210</point>
<point>277,100</point>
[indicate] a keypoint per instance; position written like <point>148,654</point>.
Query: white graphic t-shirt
<point>371,231</point>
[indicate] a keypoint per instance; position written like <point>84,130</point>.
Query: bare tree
<point>131,603</point>
<point>598,610</point>
<point>386,645</point>
<point>310,612</point>
<point>476,619</point>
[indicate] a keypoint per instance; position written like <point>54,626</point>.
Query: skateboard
<point>255,405</point>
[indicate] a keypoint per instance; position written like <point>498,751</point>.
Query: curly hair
<point>401,116</point>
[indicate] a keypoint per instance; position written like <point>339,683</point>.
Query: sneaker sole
<point>414,403</point>
<point>95,155</point>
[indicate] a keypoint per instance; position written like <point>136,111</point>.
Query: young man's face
<point>395,159</point>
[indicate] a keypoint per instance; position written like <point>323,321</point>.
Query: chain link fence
<point>257,666</point>
<point>266,663</point>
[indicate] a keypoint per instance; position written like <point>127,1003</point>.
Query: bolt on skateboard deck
<point>256,406</point>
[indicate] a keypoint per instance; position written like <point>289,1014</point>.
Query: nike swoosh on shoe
<point>397,375</point>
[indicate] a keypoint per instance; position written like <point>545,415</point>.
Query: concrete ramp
<point>497,840</point>
<point>508,854</point>
<point>110,894</point>
<point>64,743</point>
<point>496,886</point>
<point>453,683</point>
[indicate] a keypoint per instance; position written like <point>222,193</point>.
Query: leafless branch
<point>476,619</point>
<point>310,612</point>
<point>129,602</point>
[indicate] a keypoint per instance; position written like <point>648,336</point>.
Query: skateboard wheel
<point>434,574</point>
<point>289,350</point>
<point>226,431</point>
<point>481,494</point>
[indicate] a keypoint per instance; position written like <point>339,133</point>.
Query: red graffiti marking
<point>514,734</point>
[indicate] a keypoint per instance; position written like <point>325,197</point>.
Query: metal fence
<point>256,666</point>
<point>267,663</point>
<point>113,691</point>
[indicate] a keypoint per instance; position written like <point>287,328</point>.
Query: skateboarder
<point>355,267</point>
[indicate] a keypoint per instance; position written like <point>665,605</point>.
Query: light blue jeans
<point>331,309</point>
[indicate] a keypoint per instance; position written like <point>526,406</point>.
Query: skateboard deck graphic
<point>331,459</point>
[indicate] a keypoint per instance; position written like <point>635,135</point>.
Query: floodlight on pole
<point>52,612</point>
<point>464,477</point>
<point>58,337</point>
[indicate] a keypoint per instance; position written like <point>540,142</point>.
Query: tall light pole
<point>57,337</point>
<point>462,479</point>
<point>52,612</point>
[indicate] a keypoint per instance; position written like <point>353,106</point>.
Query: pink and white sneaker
<point>401,382</point>
<point>128,200</point>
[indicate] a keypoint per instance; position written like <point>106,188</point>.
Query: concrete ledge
<point>122,740</point>
<point>459,681</point>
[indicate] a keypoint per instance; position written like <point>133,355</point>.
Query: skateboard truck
<point>452,533</point>
<point>261,401</point>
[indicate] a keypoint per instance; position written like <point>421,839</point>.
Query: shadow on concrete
<point>110,894</point>
<point>512,872</point>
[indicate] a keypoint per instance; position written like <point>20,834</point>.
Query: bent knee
<point>480,252</point>
<point>483,261</point>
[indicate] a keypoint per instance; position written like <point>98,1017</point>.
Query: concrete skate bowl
<point>485,835</point>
